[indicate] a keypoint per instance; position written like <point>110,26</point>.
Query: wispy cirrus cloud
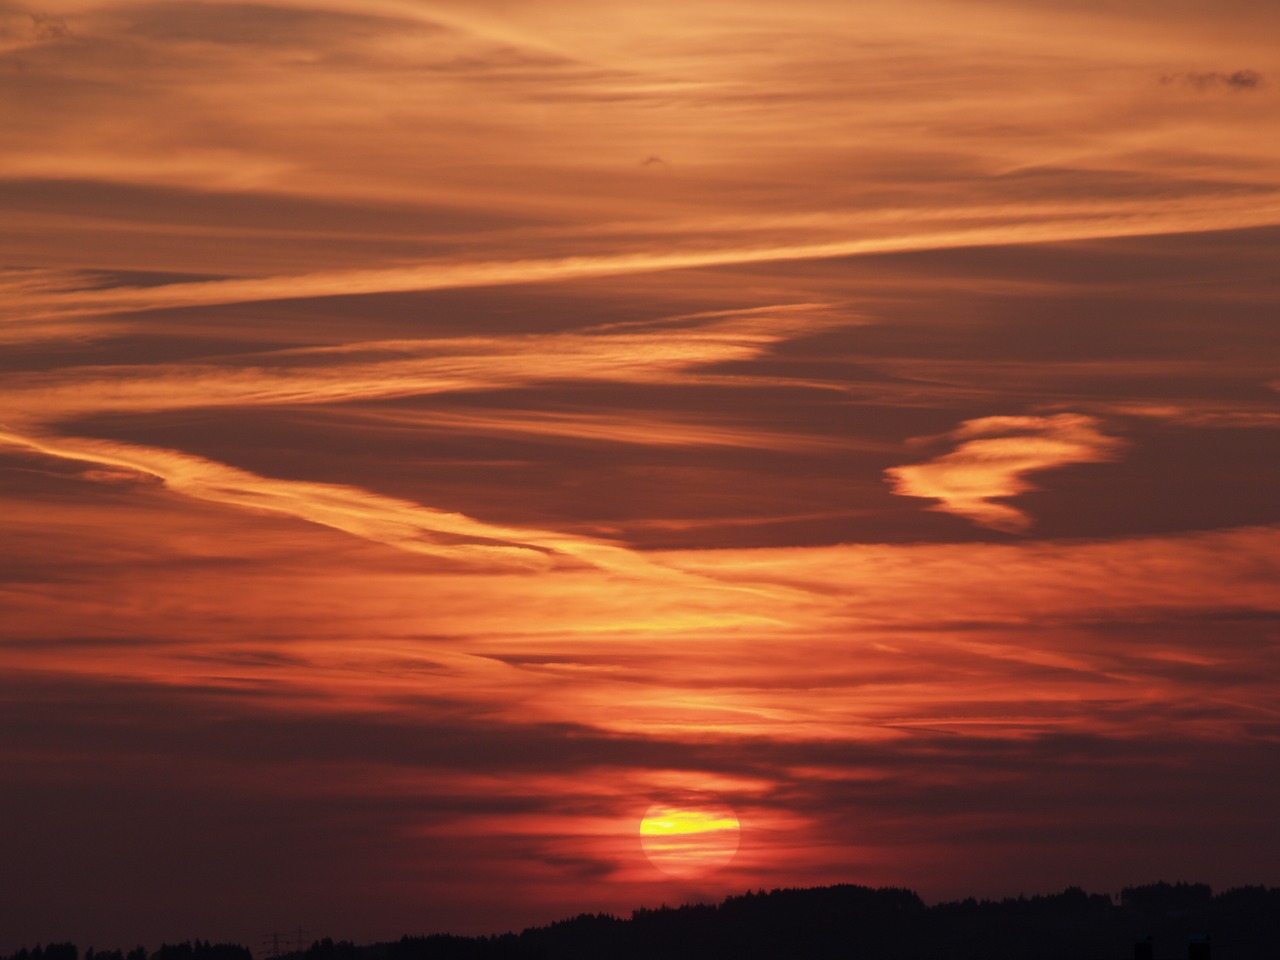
<point>1235,80</point>
<point>992,459</point>
<point>639,427</point>
<point>405,526</point>
<point>1209,414</point>
<point>47,296</point>
<point>401,368</point>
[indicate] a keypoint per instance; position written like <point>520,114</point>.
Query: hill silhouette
<point>1169,921</point>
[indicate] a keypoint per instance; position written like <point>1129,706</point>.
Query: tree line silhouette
<point>191,950</point>
<point>845,921</point>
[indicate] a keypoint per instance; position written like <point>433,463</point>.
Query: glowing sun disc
<point>689,836</point>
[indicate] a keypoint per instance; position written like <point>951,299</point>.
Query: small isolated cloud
<point>992,460</point>
<point>1239,80</point>
<point>48,27</point>
<point>653,161</point>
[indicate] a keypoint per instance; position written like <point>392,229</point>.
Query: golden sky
<point>434,434</point>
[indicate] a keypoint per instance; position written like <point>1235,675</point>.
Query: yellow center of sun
<point>689,838</point>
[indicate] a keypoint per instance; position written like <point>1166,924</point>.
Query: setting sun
<point>690,837</point>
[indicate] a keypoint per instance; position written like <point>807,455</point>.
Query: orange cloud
<point>408,368</point>
<point>963,229</point>
<point>993,459</point>
<point>640,427</point>
<point>405,526</point>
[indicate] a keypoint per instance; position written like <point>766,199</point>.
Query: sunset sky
<point>434,433</point>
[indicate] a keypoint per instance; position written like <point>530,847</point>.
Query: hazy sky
<point>433,432</point>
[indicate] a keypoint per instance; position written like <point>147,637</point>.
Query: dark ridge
<point>1158,921</point>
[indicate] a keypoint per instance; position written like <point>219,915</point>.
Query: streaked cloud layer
<point>432,433</point>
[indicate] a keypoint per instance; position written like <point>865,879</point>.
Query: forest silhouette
<point>1159,921</point>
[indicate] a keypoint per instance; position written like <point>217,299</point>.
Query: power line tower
<point>277,944</point>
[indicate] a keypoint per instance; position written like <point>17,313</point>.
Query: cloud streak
<point>405,526</point>
<point>38,305</point>
<point>1236,80</point>
<point>411,368</point>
